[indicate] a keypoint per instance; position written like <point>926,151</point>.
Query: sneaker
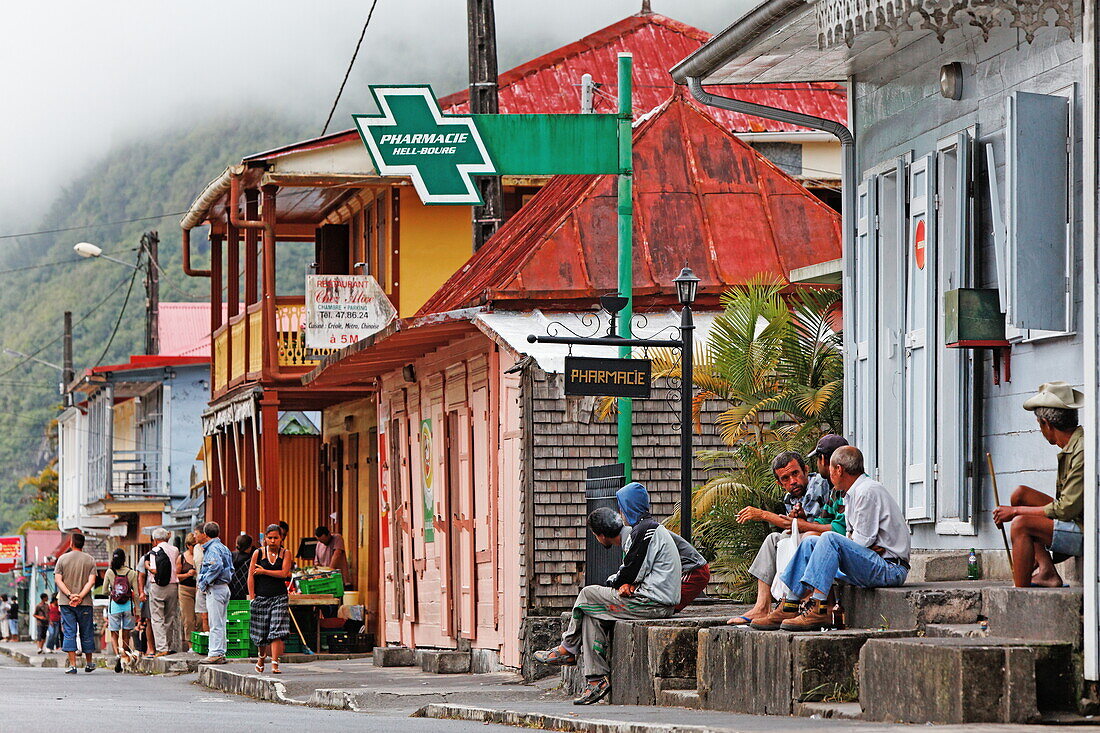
<point>70,670</point>
<point>597,690</point>
<point>89,668</point>
<point>815,617</point>
<point>559,656</point>
<point>118,665</point>
<point>773,621</point>
<point>214,660</point>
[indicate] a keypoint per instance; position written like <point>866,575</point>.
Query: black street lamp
<point>686,286</point>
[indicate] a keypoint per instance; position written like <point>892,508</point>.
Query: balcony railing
<point>136,475</point>
<point>239,348</point>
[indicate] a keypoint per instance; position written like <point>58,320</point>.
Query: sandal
<point>558,656</point>
<point>275,667</point>
<point>260,665</point>
<point>596,690</point>
<point>739,621</point>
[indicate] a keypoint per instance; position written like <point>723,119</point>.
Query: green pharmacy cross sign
<point>442,153</point>
<point>413,138</point>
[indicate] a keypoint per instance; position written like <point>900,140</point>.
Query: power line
<point>90,226</point>
<point>53,341</point>
<point>121,312</point>
<point>362,35</point>
<point>58,262</point>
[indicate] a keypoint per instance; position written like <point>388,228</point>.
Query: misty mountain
<point>41,277</point>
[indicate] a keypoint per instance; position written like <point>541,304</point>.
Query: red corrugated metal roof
<point>702,197</point>
<point>549,84</point>
<point>151,361</point>
<point>184,328</point>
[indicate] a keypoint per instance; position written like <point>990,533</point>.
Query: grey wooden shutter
<point>1037,133</point>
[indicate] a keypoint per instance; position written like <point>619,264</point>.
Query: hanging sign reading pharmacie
<point>585,376</point>
<point>342,309</point>
<point>441,153</point>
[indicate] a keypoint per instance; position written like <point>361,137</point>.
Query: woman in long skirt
<point>267,576</point>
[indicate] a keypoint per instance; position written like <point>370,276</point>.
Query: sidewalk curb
<point>234,683</point>
<point>542,721</point>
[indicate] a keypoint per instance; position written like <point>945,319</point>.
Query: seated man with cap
<point>810,501</point>
<point>1048,530</point>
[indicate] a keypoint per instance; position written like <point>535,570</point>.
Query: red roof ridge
<point>596,39</point>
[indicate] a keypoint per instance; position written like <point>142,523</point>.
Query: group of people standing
<point>172,591</point>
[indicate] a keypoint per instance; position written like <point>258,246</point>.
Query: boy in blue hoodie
<point>634,508</point>
<point>646,587</point>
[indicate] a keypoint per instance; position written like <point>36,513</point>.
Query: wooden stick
<point>997,502</point>
<point>305,644</point>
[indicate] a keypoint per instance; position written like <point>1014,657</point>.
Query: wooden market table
<point>315,601</point>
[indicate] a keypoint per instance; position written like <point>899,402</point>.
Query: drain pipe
<point>847,203</point>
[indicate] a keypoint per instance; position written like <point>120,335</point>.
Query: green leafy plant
<point>773,361</point>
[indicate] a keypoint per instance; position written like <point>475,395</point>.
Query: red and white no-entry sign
<point>919,238</point>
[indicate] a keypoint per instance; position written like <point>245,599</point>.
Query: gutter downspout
<point>847,208</point>
<point>1091,265</point>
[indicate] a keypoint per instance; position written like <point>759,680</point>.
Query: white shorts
<point>200,601</point>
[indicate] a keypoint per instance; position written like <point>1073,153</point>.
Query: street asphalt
<point>36,699</point>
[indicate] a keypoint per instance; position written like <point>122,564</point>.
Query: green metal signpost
<point>442,153</point>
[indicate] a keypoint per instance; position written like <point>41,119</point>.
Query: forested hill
<point>41,277</point>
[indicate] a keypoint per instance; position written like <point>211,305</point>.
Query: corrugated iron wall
<point>299,459</point>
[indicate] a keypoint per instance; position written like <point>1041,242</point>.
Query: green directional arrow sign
<point>413,138</point>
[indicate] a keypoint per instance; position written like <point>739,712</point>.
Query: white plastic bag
<point>784,551</point>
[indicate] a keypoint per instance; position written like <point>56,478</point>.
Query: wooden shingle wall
<point>566,439</point>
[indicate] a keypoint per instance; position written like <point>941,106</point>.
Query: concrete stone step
<point>680,699</point>
<point>394,656</point>
<point>930,566</point>
<point>769,672</point>
<point>1044,614</point>
<point>956,631</point>
<point>443,661</point>
<point>962,680</point>
<point>829,710</point>
<point>913,605</point>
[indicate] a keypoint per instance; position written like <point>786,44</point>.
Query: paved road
<point>47,700</point>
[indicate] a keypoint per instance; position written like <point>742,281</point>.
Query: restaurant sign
<point>11,553</point>
<point>607,377</point>
<point>342,309</point>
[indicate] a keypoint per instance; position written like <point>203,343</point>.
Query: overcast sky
<point>80,77</point>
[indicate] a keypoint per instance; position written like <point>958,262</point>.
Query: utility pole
<point>149,242</point>
<point>67,373</point>
<point>481,23</point>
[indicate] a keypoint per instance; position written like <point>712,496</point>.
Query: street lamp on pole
<point>149,242</point>
<point>687,285</point>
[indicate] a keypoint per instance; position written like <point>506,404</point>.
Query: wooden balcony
<point>239,355</point>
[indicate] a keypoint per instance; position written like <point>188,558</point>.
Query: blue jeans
<point>53,635</point>
<point>819,560</point>
<point>74,619</point>
<point>217,602</point>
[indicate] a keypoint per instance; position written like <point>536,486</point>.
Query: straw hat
<point>1056,394</point>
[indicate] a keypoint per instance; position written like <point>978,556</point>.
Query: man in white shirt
<point>164,609</point>
<point>875,554</point>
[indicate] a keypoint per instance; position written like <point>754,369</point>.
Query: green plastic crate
<point>235,629</point>
<point>244,605</point>
<point>332,585</point>
<point>200,642</point>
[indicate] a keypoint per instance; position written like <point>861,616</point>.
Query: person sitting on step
<point>648,588</point>
<point>810,502</point>
<point>633,502</point>
<point>874,554</point>
<point>1048,530</point>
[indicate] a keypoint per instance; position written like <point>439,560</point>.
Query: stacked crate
<point>331,585</point>
<point>237,641</point>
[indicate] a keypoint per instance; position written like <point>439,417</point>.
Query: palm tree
<point>773,360</point>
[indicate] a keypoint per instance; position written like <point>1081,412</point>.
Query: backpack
<point>121,591</point>
<point>163,574</point>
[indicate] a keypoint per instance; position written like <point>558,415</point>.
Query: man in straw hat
<point>1047,530</point>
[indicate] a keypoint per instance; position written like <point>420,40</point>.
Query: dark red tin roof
<point>550,83</point>
<point>702,198</point>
